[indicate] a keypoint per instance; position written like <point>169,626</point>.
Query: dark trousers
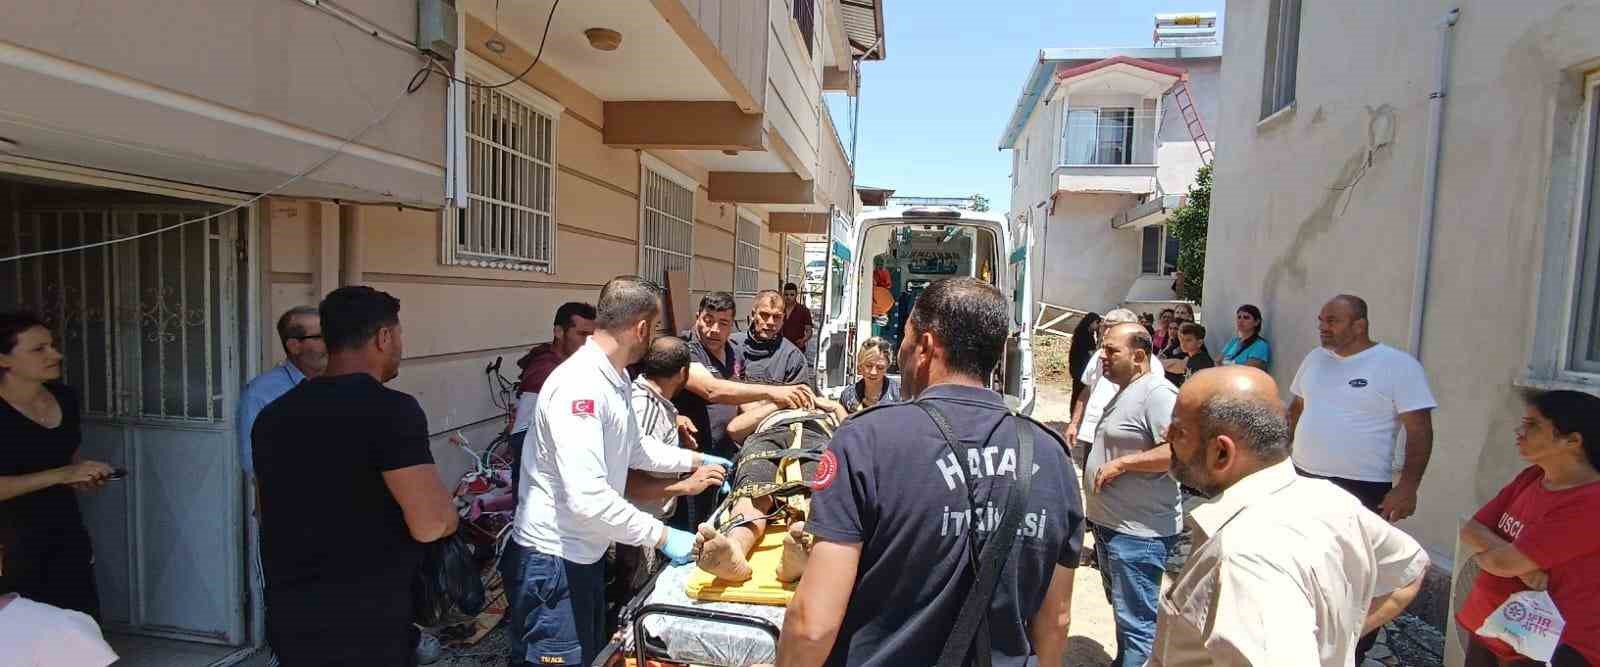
<point>56,572</point>
<point>339,624</point>
<point>558,607</point>
<point>1370,494</point>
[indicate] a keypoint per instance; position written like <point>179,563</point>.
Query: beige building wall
<point>1285,236</point>
<point>457,318</point>
<point>236,94</point>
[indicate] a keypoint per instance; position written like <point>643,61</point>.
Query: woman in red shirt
<point>1539,533</point>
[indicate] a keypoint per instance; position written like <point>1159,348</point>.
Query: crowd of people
<point>949,527</point>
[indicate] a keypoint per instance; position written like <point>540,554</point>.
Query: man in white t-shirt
<point>1351,398</point>
<point>1089,406</point>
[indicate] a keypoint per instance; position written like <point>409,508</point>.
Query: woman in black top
<point>1085,340</point>
<point>874,385</point>
<point>51,560</point>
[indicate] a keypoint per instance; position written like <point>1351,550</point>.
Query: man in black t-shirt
<point>349,494</point>
<point>711,398</point>
<point>891,509</point>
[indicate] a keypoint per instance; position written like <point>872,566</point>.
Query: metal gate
<point>151,332</point>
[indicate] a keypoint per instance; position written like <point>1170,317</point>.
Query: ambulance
<point>902,250</point>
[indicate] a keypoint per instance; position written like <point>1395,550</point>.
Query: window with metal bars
<point>508,221</point>
<point>747,256</point>
<point>667,226</point>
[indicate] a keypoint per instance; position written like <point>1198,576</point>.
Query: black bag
<point>448,584</point>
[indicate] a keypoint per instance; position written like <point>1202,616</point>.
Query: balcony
<point>1120,179</point>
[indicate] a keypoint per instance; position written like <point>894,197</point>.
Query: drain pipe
<point>1430,182</point>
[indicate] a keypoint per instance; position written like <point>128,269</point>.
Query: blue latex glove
<point>713,460</point>
<point>679,546</point>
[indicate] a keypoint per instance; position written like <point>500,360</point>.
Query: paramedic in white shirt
<point>1286,570</point>
<point>582,442</point>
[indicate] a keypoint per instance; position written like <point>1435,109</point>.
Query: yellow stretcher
<point>763,587</point>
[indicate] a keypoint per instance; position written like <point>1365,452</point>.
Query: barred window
<point>667,222</point>
<point>747,256</point>
<point>508,221</point>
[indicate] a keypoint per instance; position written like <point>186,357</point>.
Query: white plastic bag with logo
<point>1529,622</point>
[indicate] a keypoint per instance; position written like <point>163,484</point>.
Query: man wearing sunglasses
<point>300,332</point>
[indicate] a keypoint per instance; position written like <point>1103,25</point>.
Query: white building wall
<point>1285,237</point>
<point>1080,261</point>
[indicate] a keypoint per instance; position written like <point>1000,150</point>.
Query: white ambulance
<point>908,249</point>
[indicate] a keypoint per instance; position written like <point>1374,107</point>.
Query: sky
<point>931,114</point>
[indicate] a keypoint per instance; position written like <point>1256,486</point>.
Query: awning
<point>1153,211</point>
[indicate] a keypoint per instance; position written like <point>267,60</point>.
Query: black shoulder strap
<point>971,623</point>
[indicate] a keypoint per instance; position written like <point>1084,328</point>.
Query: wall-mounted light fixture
<point>604,39</point>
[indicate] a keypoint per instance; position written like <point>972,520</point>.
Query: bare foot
<point>719,557</point>
<point>796,550</point>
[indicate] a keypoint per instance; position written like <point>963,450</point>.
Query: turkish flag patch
<point>583,407</point>
<point>827,470</point>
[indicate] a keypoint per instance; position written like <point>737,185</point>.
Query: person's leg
<point>1134,566</point>
<point>543,629</point>
<point>588,585</point>
<point>65,578</point>
<point>727,556</point>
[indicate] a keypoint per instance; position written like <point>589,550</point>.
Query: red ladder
<point>1191,119</point>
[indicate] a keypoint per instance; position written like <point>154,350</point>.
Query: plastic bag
<point>448,584</point>
<point>1529,622</point>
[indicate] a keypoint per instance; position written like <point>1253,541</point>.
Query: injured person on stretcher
<point>777,461</point>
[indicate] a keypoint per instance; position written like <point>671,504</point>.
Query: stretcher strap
<point>972,624</point>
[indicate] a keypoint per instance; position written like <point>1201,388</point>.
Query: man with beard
<point>583,441</point>
<point>305,355</point>
<point>574,323</point>
<point>711,399</point>
<point>349,496</point>
<point>1134,507</point>
<point>1286,570</point>
<point>767,356</point>
<point>910,497</point>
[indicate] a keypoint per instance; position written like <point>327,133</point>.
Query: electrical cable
<point>434,62</point>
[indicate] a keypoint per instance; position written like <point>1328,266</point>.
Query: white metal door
<point>150,330</point>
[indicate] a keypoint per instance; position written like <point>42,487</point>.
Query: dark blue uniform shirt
<point>896,489</point>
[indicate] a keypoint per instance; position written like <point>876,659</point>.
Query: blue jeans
<point>1131,568</point>
<point>557,607</point>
